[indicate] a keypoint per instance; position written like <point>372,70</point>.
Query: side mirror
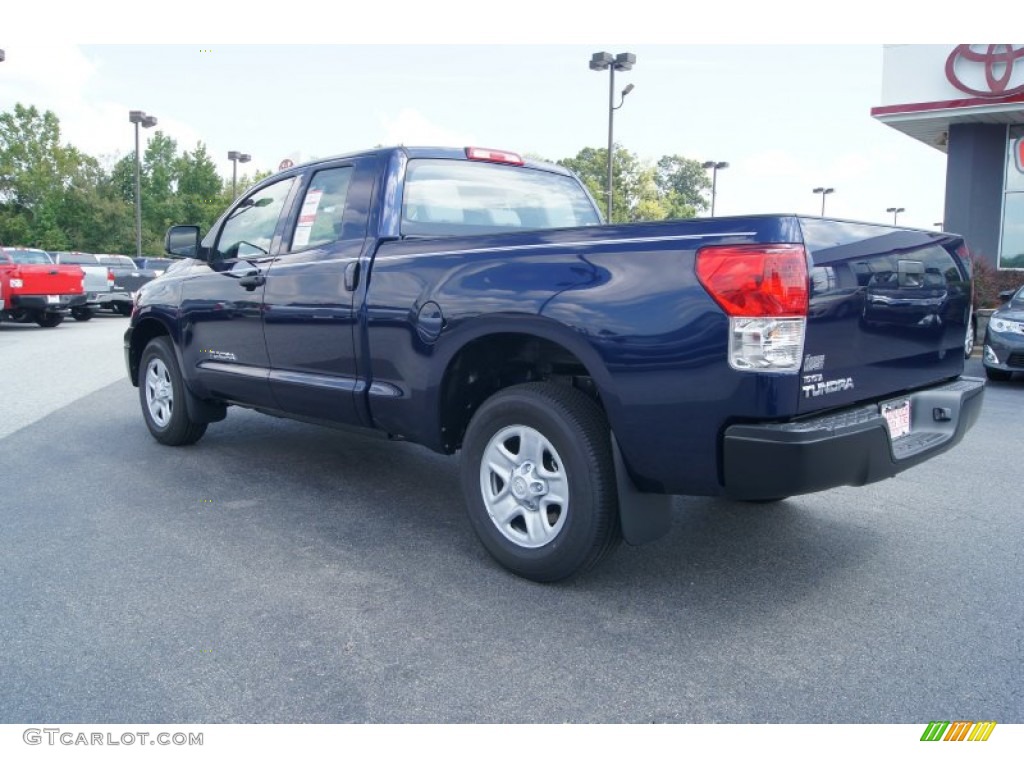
<point>1006,295</point>
<point>182,241</point>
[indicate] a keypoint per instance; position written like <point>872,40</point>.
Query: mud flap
<point>645,517</point>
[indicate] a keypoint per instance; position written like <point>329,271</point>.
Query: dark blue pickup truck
<point>470,300</point>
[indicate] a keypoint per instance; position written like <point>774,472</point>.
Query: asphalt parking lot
<point>282,572</point>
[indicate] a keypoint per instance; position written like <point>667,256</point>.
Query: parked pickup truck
<point>35,290</point>
<point>128,278</point>
<point>99,284</point>
<point>472,300</point>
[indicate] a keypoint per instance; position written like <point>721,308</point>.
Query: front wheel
<point>162,394</point>
<point>539,481</point>
<point>123,309</point>
<point>49,319</point>
<point>81,314</point>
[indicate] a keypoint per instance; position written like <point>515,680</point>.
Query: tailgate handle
<point>352,276</point>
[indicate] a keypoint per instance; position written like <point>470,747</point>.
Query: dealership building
<point>967,101</point>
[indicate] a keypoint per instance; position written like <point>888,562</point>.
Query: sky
<point>787,117</point>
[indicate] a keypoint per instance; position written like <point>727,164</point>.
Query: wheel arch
<point>498,352</point>
<point>144,332</point>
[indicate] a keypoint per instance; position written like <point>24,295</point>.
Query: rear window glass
<point>116,261</point>
<point>76,258</point>
<point>461,197</point>
<point>28,256</point>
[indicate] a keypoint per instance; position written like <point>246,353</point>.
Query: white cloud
<point>58,78</point>
<point>411,128</point>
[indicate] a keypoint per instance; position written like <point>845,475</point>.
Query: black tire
<point>81,314</point>
<point>551,541</point>
<point>49,319</point>
<point>125,310</point>
<point>994,374</point>
<point>166,415</point>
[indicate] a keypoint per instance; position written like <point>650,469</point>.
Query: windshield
<point>28,256</point>
<point>460,197</point>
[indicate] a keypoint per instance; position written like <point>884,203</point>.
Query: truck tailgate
<point>43,279</point>
<point>888,312</point>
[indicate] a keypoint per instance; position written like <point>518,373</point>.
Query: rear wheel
<point>994,374</point>
<point>124,309</point>
<point>49,319</point>
<point>162,395</point>
<point>81,314</point>
<point>539,481</point>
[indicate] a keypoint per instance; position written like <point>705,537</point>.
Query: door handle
<point>352,275</point>
<point>250,282</point>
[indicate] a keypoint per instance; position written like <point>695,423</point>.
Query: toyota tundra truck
<point>473,301</point>
<point>36,290</point>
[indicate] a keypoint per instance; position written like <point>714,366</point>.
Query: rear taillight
<point>763,289</point>
<point>110,278</point>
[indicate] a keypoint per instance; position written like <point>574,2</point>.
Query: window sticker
<point>306,218</point>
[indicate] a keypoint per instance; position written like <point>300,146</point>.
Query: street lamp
<point>622,62</point>
<point>823,191</point>
<point>715,168</point>
<point>236,158</point>
<point>146,121</point>
<point>895,212</point>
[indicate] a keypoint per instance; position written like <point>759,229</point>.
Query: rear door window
<point>322,216</point>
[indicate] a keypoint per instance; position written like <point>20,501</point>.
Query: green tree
<point>95,216</point>
<point>201,195</point>
<point>671,189</point>
<point>681,184</point>
<point>628,183</point>
<point>35,170</point>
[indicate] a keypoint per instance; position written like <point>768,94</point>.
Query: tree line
<point>56,197</point>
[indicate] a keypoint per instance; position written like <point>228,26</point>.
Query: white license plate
<point>51,299</point>
<point>897,416</point>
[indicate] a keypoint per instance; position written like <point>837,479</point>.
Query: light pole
<point>715,168</point>
<point>895,212</point>
<point>623,62</point>
<point>147,121</point>
<point>236,158</point>
<point>823,191</point>
<point>2,54</point>
<point>937,225</point>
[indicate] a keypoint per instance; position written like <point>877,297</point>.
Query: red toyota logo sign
<point>988,71</point>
